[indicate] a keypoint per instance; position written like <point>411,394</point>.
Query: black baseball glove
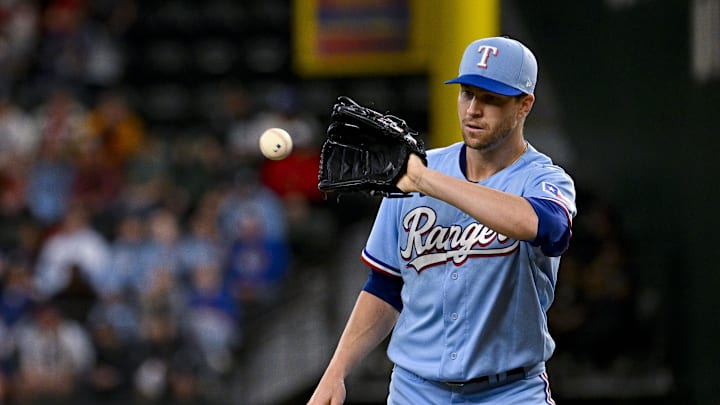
<point>366,151</point>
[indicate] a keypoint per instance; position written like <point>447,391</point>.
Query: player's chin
<point>475,140</point>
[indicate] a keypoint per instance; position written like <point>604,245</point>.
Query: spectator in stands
<point>201,245</point>
<point>148,179</point>
<point>258,263</point>
<point>19,137</point>
<point>212,318</point>
<point>197,162</point>
<point>162,294</point>
<point>117,129</point>
<point>125,271</point>
<point>162,249</point>
<point>126,255</point>
<point>19,28</point>
<point>13,194</point>
<point>167,365</point>
<point>54,356</point>
<point>49,186</point>
<point>96,184</point>
<point>18,146</point>
<point>111,375</point>
<point>59,118</point>
<point>118,311</point>
<point>249,197</point>
<point>21,240</point>
<point>73,261</point>
<point>17,296</point>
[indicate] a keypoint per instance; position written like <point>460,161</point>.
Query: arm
<point>508,214</point>
<point>371,321</point>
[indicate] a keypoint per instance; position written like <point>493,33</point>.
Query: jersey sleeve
<point>554,227</point>
<point>381,249</point>
<point>553,199</point>
<point>385,287</point>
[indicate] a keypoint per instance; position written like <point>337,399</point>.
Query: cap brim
<point>486,84</point>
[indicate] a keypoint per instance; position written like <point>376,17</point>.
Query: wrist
<point>415,172</point>
<point>420,178</point>
<point>336,371</point>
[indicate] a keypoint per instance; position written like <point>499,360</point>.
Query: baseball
<point>276,143</point>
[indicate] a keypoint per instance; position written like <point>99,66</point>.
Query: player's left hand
<point>366,151</point>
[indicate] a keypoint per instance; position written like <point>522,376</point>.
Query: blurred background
<point>149,255</point>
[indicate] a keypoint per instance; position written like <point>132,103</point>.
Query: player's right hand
<point>329,392</point>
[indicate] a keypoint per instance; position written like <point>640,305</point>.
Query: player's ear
<point>526,104</point>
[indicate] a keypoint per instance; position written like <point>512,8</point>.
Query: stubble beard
<point>493,139</point>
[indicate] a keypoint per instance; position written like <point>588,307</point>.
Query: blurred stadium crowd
<point>130,264</point>
<point>133,263</point>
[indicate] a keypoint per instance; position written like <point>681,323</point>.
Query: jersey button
<point>454,316</point>
<point>453,356</point>
<point>454,276</point>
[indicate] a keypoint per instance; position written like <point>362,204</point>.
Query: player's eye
<point>466,94</point>
<point>492,99</point>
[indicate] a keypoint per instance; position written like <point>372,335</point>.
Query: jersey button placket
<point>453,316</point>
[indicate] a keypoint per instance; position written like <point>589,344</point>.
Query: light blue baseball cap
<point>498,64</point>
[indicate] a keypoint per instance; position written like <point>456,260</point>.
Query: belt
<point>506,377</point>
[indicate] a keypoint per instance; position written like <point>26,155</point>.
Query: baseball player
<point>463,271</point>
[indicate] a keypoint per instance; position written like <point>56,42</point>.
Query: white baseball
<point>276,144</point>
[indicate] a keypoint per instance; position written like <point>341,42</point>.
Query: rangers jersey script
<point>467,308</point>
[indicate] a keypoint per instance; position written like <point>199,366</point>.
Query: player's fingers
<point>330,401</point>
<point>327,399</point>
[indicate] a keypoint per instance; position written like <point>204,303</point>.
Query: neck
<point>481,164</point>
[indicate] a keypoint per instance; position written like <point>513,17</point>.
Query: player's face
<point>488,119</point>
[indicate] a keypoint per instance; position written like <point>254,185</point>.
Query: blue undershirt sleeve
<point>554,226</point>
<point>385,287</point>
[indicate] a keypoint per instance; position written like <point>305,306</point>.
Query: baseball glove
<point>366,151</point>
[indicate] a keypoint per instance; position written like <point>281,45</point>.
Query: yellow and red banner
<point>357,37</point>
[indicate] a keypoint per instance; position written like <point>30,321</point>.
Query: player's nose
<point>474,107</point>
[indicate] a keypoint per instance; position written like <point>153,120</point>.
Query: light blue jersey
<point>474,301</point>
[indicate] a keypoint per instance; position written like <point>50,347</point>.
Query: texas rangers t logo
<point>485,52</point>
